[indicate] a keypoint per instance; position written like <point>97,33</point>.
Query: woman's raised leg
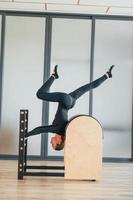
<point>85,88</point>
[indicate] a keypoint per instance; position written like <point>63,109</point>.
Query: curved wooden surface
<point>83,149</point>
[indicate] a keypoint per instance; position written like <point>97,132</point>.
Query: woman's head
<point>58,142</point>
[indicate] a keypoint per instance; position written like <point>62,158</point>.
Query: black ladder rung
<point>45,167</point>
<point>43,174</point>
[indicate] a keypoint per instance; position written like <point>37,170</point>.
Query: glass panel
<point>112,104</point>
<point>71,51</point>
<point>0,60</point>
<point>23,75</point>
<point>0,47</point>
<point>0,30</point>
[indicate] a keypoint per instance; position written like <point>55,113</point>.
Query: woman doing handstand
<point>66,101</point>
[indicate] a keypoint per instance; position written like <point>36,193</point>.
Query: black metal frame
<point>49,16</point>
<point>65,15</point>
<point>22,156</point>
<point>92,64</point>
<point>47,59</point>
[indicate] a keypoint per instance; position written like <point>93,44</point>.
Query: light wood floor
<point>116,184</point>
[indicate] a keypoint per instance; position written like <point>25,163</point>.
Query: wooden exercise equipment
<point>83,149</point>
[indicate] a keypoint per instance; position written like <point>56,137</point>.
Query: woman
<point>65,103</point>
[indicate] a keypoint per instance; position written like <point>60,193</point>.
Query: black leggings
<point>64,98</point>
<point>66,101</point>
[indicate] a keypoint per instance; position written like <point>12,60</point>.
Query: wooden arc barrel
<point>83,149</point>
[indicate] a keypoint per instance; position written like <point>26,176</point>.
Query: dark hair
<point>59,147</point>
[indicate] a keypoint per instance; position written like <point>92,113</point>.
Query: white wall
<point>113,101</point>
<point>22,76</point>
<point>71,41</point>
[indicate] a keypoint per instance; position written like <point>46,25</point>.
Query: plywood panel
<point>83,149</point>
